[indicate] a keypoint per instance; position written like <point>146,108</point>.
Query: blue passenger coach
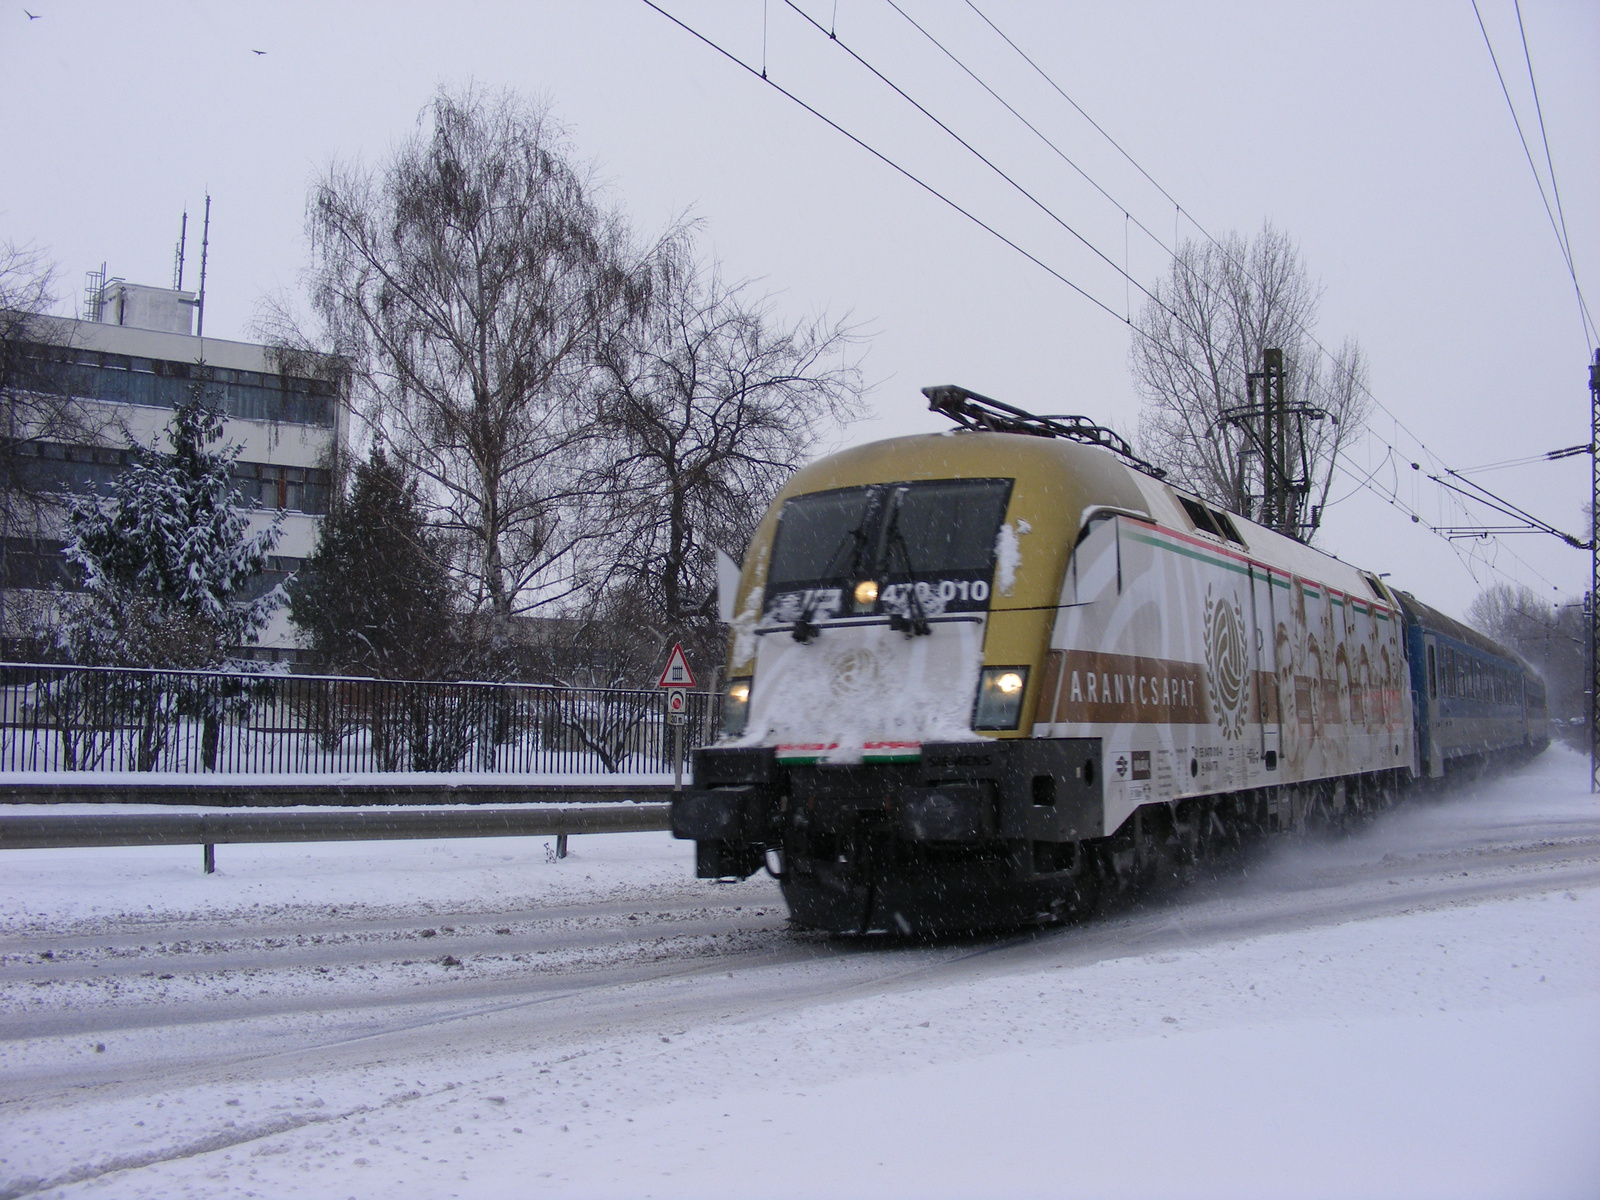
<point>1472,697</point>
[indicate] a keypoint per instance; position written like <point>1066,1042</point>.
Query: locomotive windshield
<point>937,537</point>
<point>818,537</point>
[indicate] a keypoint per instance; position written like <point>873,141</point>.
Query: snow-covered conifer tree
<point>165,560</point>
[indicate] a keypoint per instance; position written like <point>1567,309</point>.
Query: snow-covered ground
<point>1411,1012</point>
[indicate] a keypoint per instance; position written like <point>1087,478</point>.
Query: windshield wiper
<point>914,621</point>
<point>804,627</point>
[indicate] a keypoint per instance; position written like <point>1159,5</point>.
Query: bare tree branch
<point>713,404</point>
<point>469,280</point>
<point>1203,331</point>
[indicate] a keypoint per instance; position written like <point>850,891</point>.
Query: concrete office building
<point>124,369</point>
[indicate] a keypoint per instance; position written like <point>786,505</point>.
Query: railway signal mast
<point>1594,573</point>
<point>1275,433</point>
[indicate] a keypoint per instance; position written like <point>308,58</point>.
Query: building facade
<point>83,392</point>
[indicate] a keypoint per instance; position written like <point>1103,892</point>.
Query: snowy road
<point>460,1019</point>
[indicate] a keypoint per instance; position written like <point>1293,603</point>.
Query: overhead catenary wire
<point>1481,495</point>
<point>1128,278</point>
<point>1528,459</point>
<point>1443,526</point>
<point>1179,209</point>
<point>1170,250</point>
<point>1458,524</point>
<point>1432,457</point>
<point>887,161</point>
<point>1544,138</point>
<point>988,162</point>
<point>1556,227</point>
<point>1043,75</point>
<point>1102,305</point>
<point>1055,149</point>
<point>1438,527</point>
<point>1366,483</point>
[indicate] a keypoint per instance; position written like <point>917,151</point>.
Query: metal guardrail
<point>213,792</point>
<point>79,719</point>
<point>209,830</point>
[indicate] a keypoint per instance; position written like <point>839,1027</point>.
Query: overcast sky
<point>1375,134</point>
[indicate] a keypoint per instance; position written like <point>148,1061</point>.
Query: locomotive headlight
<point>866,593</point>
<point>1000,693</point>
<point>735,707</point>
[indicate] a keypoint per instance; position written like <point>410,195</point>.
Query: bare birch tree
<point>1200,335</point>
<point>469,279</point>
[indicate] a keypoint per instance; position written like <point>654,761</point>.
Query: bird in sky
<point>258,52</point>
<point>30,16</point>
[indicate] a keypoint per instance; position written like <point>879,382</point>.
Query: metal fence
<point>122,719</point>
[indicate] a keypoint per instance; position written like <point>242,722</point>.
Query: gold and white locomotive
<point>977,676</point>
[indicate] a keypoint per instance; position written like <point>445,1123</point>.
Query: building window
<point>40,563</point>
<point>44,467</point>
<point>293,489</point>
<point>156,383</point>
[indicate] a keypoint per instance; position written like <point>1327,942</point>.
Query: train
<point>984,678</point>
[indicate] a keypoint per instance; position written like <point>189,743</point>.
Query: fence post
<point>209,854</point>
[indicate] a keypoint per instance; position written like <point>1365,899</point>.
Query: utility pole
<point>1285,454</point>
<point>1269,458</point>
<point>1275,408</point>
<point>1285,482</point>
<point>1594,572</point>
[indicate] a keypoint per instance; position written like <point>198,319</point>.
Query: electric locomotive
<point>976,677</point>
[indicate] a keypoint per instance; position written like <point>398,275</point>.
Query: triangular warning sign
<point>677,673</point>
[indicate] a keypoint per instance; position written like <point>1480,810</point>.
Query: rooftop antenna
<point>177,270</point>
<point>205,242</point>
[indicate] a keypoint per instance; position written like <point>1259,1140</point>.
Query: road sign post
<point>677,679</point>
